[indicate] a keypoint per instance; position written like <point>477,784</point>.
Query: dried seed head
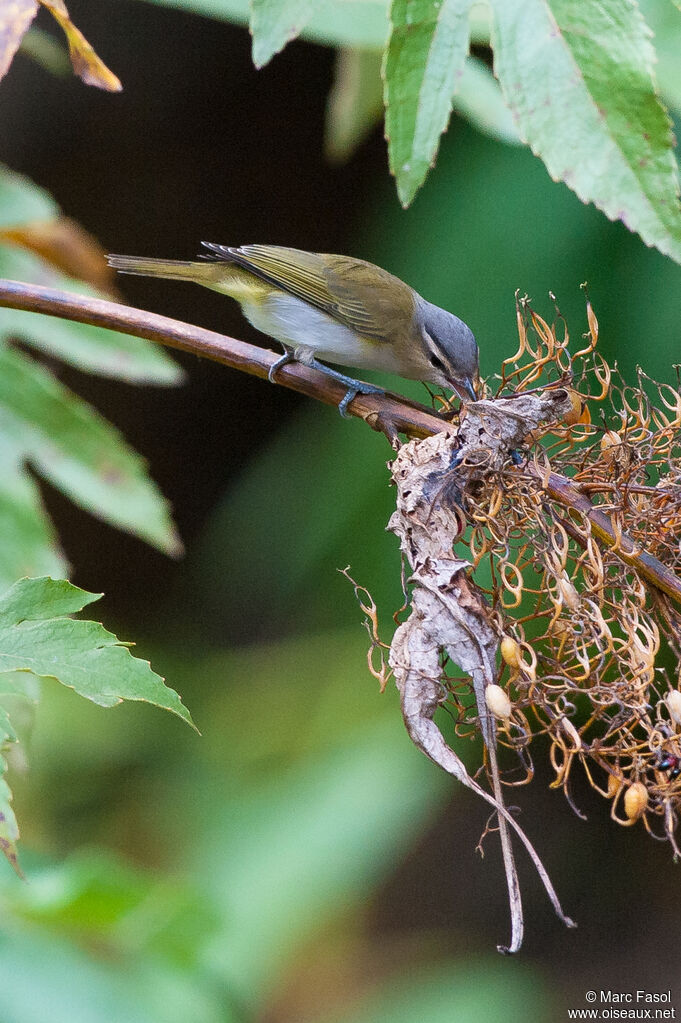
<point>498,702</point>
<point>635,800</point>
<point>510,651</point>
<point>566,530</point>
<point>673,701</point>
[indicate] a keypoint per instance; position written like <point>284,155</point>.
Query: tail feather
<point>173,269</point>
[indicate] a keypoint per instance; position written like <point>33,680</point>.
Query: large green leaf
<point>579,79</point>
<point>274,23</point>
<point>37,636</point>
<point>425,57</point>
<point>68,443</point>
<point>38,640</point>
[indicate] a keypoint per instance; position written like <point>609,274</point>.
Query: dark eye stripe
<point>437,352</point>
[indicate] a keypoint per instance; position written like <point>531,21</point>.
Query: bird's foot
<point>356,387</point>
<point>276,366</point>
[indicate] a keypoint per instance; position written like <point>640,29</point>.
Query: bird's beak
<point>465,389</point>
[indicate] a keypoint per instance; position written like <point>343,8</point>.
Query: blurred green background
<point>299,861</point>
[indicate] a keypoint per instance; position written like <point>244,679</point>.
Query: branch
<point>386,413</point>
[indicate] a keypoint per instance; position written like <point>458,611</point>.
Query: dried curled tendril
<point>590,650</point>
<point>563,491</point>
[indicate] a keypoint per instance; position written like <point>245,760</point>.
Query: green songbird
<point>339,309</point>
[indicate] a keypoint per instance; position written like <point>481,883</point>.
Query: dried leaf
<point>67,246</point>
<point>87,65</point>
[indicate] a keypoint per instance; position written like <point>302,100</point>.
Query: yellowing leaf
<point>86,63</point>
<point>67,246</point>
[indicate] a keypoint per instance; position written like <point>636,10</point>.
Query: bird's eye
<point>437,363</point>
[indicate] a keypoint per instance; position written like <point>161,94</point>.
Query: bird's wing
<point>337,285</point>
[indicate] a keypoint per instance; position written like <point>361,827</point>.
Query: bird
<point>336,308</point>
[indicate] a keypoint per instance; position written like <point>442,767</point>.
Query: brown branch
<point>650,568</point>
<point>387,412</point>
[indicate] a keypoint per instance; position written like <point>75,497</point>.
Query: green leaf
<point>579,80</point>
<point>274,23</point>
<point>665,23</point>
<point>45,977</point>
<point>37,414</point>
<point>335,23</point>
<point>21,201</point>
<point>478,99</point>
<point>74,448</point>
<point>355,103</point>
<point>29,543</point>
<point>38,640</point>
<point>9,829</point>
<point>425,58</point>
<point>22,691</point>
<point>99,898</point>
<point>36,636</point>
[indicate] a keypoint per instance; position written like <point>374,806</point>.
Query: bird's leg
<point>354,387</point>
<point>288,356</point>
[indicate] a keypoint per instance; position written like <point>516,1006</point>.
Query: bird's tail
<point>173,269</point>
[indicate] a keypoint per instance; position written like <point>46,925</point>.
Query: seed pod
<point>614,784</point>
<point>570,595</point>
<point>610,442</point>
<point>673,701</point>
<point>635,800</point>
<point>560,628</point>
<point>498,702</point>
<point>510,651</point>
<point>579,413</point>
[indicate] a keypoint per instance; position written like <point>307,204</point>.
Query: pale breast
<point>299,325</point>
